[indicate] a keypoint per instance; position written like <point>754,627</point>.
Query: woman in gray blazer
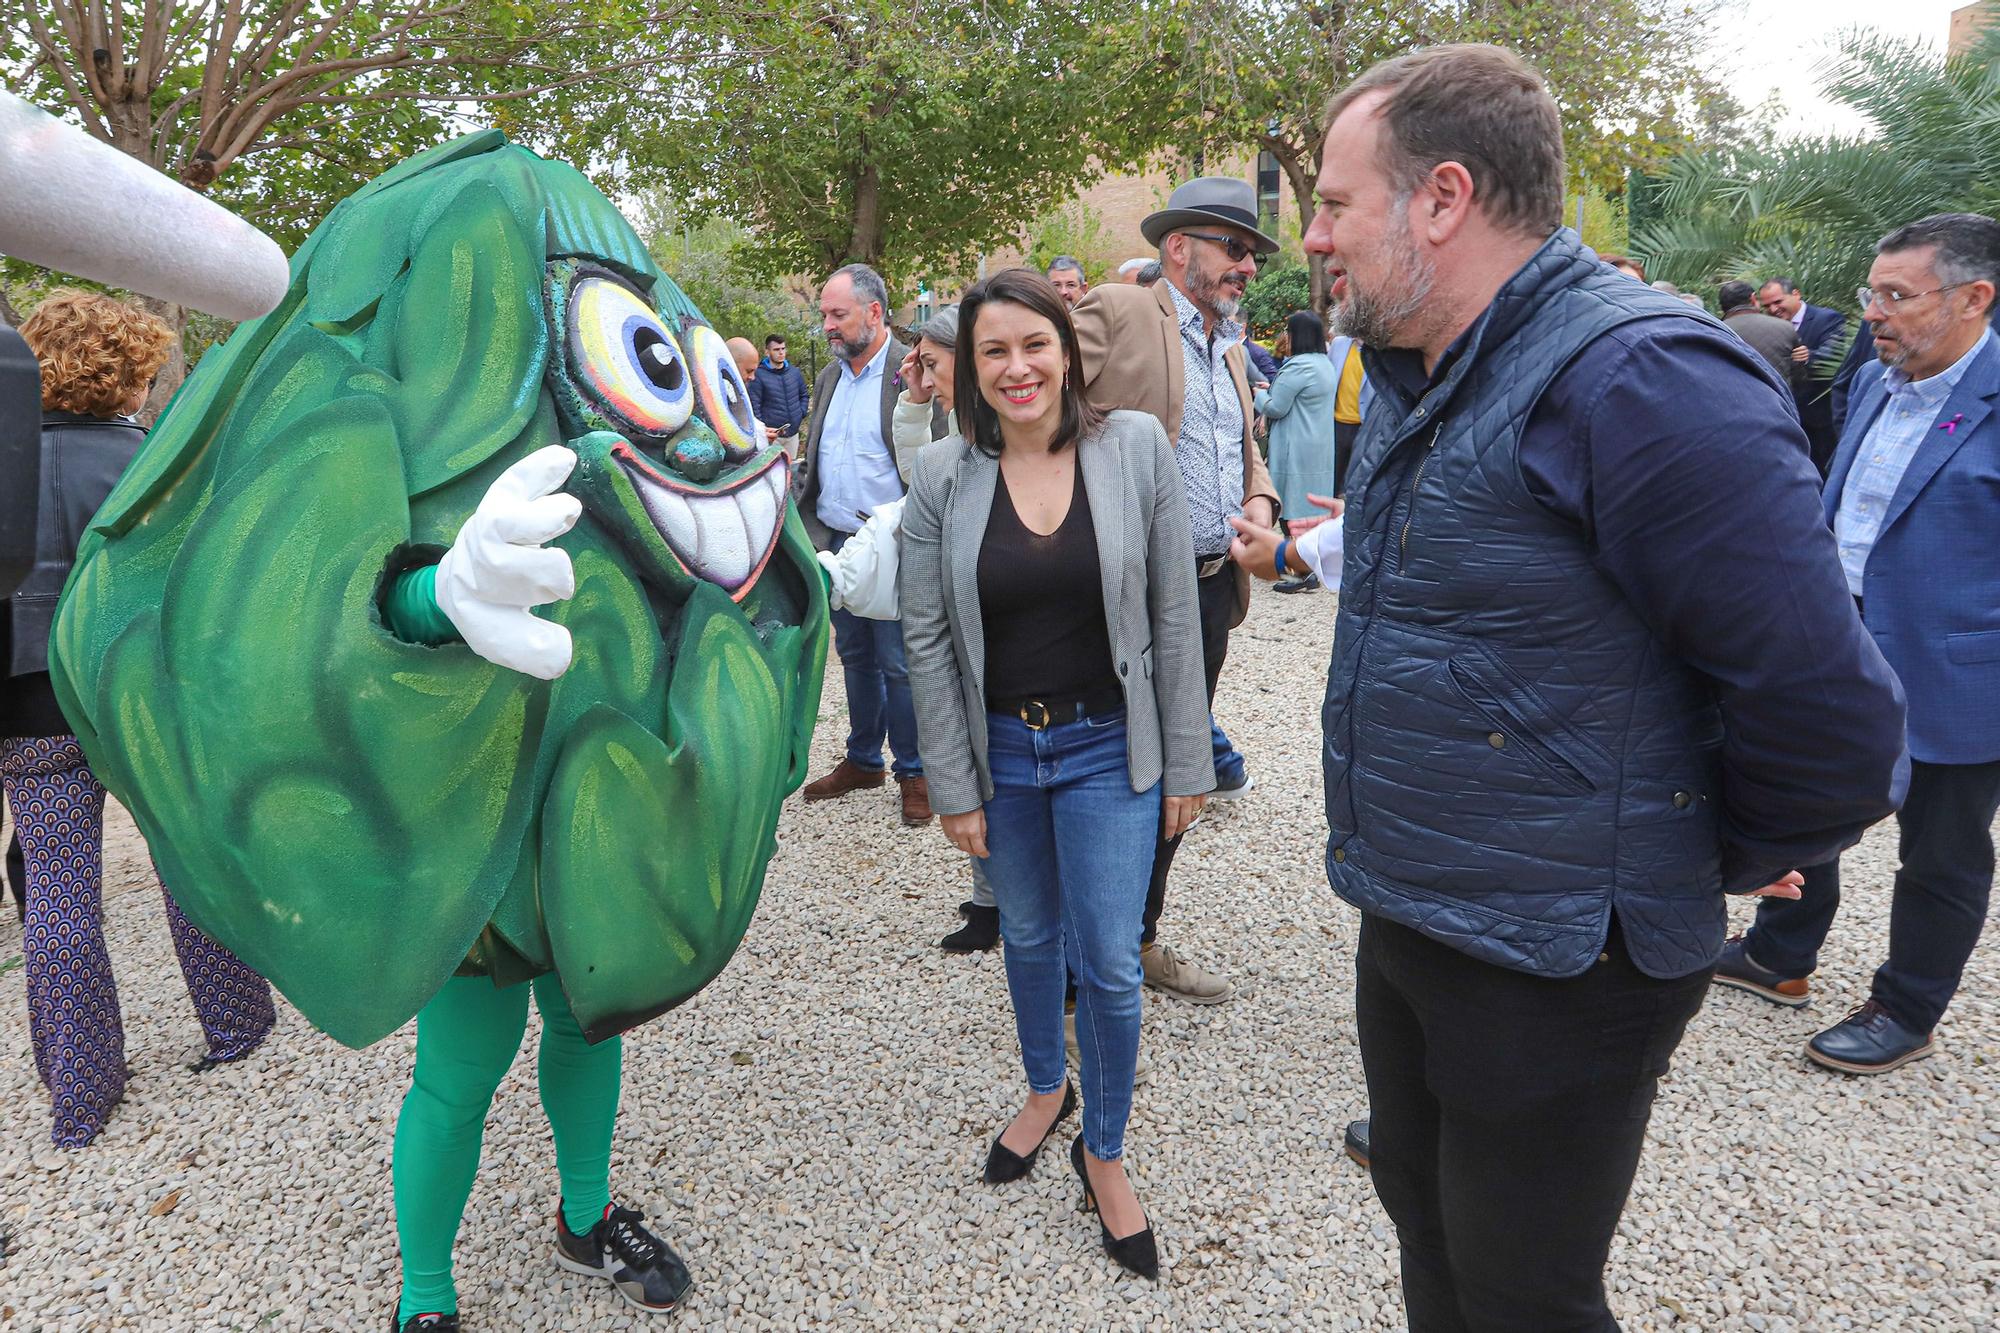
<point>1054,649</point>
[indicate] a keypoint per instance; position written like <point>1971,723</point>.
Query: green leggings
<point>467,1037</point>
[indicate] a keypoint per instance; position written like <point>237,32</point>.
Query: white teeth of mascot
<point>721,536</point>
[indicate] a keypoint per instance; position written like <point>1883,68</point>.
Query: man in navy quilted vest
<point>1911,500</point>
<point>1596,668</point>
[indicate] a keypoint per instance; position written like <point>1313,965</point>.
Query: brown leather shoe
<point>916,801</point>
<point>847,776</point>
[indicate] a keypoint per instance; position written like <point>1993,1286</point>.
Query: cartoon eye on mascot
<point>454,630</point>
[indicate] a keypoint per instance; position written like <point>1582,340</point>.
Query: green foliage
<point>707,260</point>
<point>1626,74</point>
<point>1072,230</point>
<point>1812,208</point>
<point>911,134</point>
<point>1274,294</point>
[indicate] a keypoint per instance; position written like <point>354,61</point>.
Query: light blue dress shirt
<point>857,467</point>
<point>1899,430</point>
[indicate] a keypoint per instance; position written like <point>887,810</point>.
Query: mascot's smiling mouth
<point>726,536</point>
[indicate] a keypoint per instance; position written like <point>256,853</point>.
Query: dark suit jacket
<point>808,485</point>
<point>1819,328</point>
<point>1941,633</point>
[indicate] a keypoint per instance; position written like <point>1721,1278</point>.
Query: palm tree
<point>1812,208</point>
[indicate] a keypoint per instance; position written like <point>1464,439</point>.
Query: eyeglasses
<point>1238,251</point>
<point>1891,299</point>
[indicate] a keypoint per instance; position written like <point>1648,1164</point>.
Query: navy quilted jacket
<point>1510,752</point>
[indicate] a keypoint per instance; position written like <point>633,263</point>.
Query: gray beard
<point>1201,288</point>
<point>1384,319</point>
<point>841,348</point>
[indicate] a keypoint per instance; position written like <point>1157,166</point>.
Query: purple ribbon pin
<point>1951,427</point>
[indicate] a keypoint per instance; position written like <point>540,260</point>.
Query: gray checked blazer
<point>1138,505</point>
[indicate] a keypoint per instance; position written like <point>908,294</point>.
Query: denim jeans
<point>878,690</point>
<point>1228,762</point>
<point>1070,845</point>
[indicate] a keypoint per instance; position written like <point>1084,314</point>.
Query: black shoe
<point>1003,1164</point>
<point>1356,1142</point>
<point>1868,1041</point>
<point>1306,583</point>
<point>1737,968</point>
<point>1136,1253</point>
<point>965,908</point>
<point>422,1323</point>
<point>980,932</point>
<point>619,1249</point>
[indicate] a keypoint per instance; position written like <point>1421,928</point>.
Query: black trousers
<point>1345,433</point>
<point>1216,596</point>
<point>1944,885</point>
<point>1506,1115</point>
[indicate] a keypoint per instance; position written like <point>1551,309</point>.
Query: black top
<point>1041,605</point>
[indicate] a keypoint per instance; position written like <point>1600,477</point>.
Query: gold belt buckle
<point>1035,714</point>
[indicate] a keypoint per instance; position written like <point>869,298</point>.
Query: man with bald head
<point>744,353</point>
<point>1176,350</point>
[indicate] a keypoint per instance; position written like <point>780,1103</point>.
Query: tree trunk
<point>175,370</point>
<point>865,245</point>
<point>1293,162</point>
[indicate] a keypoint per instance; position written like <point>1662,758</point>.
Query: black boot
<point>980,932</point>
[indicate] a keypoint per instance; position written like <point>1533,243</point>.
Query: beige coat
<point>1130,338</point>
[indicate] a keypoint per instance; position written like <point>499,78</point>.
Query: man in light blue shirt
<point>849,469</point>
<point>1913,494</point>
<point>1885,452</point>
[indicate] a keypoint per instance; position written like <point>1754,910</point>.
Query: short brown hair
<point>1478,105</point>
<point>95,352</point>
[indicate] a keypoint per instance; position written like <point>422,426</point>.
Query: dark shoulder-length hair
<point>1035,293</point>
<point>1308,334</point>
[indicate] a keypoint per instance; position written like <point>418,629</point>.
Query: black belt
<point>1208,566</point>
<point>1041,714</point>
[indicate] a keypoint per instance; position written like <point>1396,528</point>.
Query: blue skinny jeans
<point>1070,852</point>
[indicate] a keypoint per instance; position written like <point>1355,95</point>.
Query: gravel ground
<point>809,1131</point>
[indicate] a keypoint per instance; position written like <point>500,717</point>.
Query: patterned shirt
<point>1905,422</point>
<point>1210,447</point>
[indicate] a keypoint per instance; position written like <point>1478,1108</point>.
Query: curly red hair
<point>95,352</point>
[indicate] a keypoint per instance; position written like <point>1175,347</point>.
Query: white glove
<point>498,567</point>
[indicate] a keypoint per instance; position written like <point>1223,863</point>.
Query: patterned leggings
<point>79,1044</point>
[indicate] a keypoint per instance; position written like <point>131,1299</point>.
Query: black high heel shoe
<point>1136,1253</point>
<point>1003,1164</point>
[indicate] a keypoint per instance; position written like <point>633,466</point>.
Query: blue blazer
<point>1931,590</point>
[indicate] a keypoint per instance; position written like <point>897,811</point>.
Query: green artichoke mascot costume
<point>299,646</point>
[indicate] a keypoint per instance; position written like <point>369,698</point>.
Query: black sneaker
<point>422,1323</point>
<point>619,1249</point>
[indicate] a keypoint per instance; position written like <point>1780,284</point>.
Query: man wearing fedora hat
<point>1175,349</point>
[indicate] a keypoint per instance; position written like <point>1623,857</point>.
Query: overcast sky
<point>1777,44</point>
